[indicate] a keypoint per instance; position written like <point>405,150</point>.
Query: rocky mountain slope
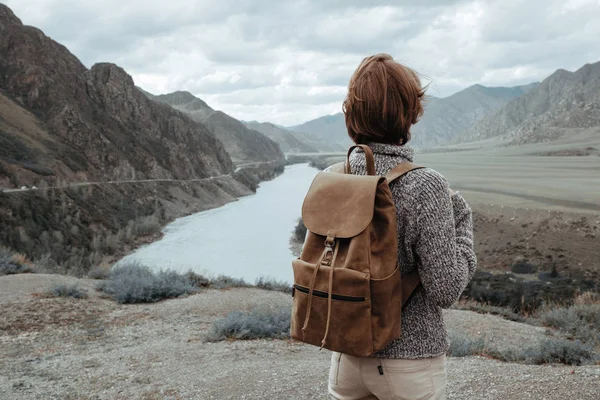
<point>242,143</point>
<point>447,117</point>
<point>110,165</point>
<point>329,128</point>
<point>444,118</point>
<point>288,141</point>
<point>561,103</point>
<point>63,120</point>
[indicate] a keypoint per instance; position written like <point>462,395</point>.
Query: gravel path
<point>96,349</point>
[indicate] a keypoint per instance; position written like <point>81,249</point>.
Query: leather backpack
<point>348,293</point>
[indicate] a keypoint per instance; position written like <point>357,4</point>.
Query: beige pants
<point>367,378</point>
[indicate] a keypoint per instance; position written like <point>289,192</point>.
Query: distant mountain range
<point>242,143</point>
<point>444,118</point>
<point>562,103</point>
<point>288,141</point>
<point>330,128</point>
<point>297,141</point>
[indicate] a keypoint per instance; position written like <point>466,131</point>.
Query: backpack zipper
<point>318,293</point>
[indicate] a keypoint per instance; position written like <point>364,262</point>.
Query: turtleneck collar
<point>406,152</point>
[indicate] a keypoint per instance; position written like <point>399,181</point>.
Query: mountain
<point>287,140</point>
<point>242,143</point>
<point>443,119</point>
<point>560,103</point>
<point>59,119</point>
<point>330,129</point>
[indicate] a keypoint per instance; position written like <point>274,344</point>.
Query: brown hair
<point>384,99</point>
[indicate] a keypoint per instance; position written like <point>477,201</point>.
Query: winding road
<point>79,184</point>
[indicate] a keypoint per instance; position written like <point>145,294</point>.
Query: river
<point>248,238</point>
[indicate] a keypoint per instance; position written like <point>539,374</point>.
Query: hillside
<point>110,165</point>
<point>61,120</point>
<point>242,143</point>
<point>564,103</point>
<point>288,141</point>
<point>444,118</point>
<point>330,128</point>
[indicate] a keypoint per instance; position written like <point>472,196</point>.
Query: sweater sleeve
<point>444,244</point>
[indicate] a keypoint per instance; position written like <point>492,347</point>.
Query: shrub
<point>146,225</point>
<point>99,272</point>
<point>550,350</point>
<point>223,282</point>
<point>135,283</point>
<point>555,350</point>
<point>523,267</point>
<point>197,280</point>
<point>47,265</point>
<point>487,309</point>
<point>462,346</point>
<point>510,290</point>
<point>14,263</point>
<point>63,290</point>
<point>300,231</point>
<point>581,322</point>
<point>257,324</point>
<point>270,284</point>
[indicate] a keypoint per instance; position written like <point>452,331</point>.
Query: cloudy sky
<point>289,61</point>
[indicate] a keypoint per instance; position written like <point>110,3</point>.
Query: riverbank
<point>95,348</point>
<point>72,229</point>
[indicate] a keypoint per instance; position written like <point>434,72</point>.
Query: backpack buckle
<point>329,245</point>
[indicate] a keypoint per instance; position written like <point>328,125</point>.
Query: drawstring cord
<point>311,288</point>
<point>329,297</point>
<point>329,247</point>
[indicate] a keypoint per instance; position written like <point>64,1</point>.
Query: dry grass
<point>20,259</point>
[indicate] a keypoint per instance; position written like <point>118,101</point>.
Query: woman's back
<point>435,238</point>
<point>426,213</point>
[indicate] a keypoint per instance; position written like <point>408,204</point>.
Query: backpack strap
<point>400,170</point>
<point>368,158</point>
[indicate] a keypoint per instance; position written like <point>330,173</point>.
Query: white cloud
<point>288,62</point>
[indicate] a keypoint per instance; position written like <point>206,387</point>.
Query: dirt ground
<point>96,349</point>
<point>527,205</point>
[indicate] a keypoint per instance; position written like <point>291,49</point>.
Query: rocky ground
<point>62,348</point>
<point>570,241</point>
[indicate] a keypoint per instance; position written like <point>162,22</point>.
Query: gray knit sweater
<point>435,233</point>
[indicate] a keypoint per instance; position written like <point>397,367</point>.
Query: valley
<point>145,232</point>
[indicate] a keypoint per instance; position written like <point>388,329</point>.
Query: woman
<point>435,233</point>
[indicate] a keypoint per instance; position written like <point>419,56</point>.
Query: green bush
<point>257,324</point>
<point>62,290</point>
<point>135,283</point>
<point>300,231</point>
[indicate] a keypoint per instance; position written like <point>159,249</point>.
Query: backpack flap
<point>340,205</point>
